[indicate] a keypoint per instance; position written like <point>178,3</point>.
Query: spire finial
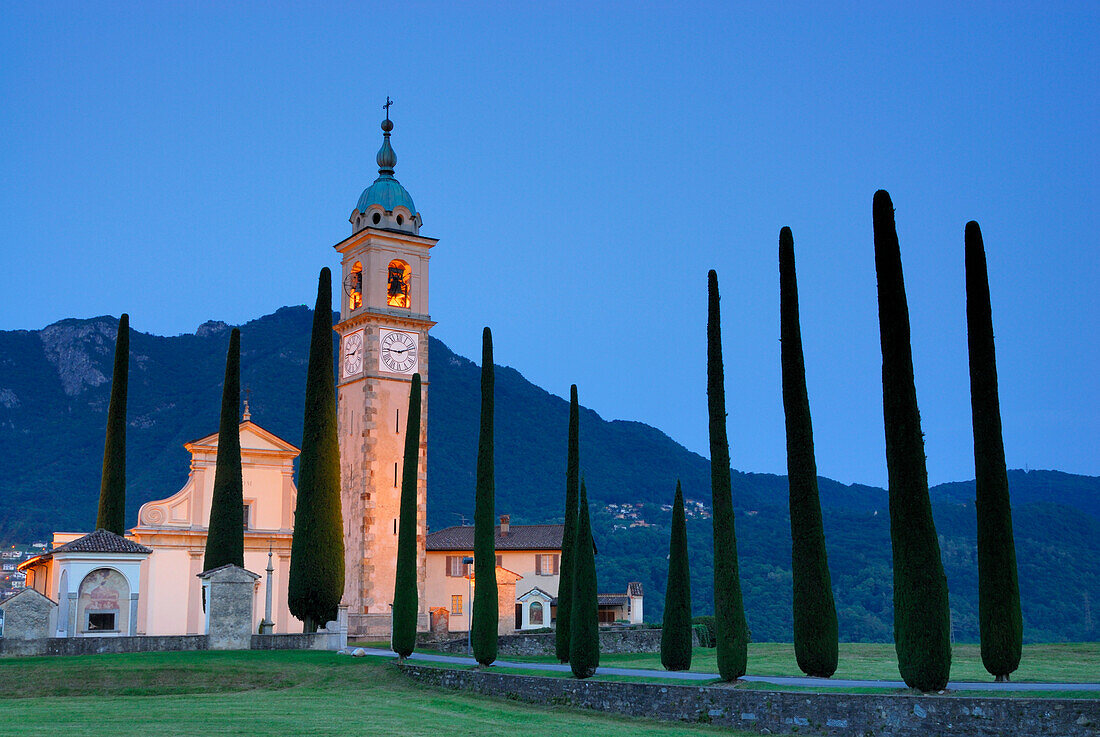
<point>387,158</point>
<point>247,395</point>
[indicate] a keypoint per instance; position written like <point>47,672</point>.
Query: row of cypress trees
<point>922,625</point>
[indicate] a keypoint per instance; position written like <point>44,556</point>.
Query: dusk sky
<point>584,166</point>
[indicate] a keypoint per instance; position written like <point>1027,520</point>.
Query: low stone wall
<point>778,712</point>
<point>297,641</point>
<point>160,643</point>
<point>98,645</point>
<point>612,640</point>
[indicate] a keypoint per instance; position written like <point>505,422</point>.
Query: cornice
<point>383,237</point>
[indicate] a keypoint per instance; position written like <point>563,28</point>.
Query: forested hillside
<point>55,385</point>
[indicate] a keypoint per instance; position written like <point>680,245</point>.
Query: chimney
<point>504,520</point>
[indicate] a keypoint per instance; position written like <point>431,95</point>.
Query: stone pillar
<point>133,613</point>
<point>229,607</point>
<point>74,600</point>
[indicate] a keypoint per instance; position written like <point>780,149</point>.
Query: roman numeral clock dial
<point>353,353</point>
<point>398,351</point>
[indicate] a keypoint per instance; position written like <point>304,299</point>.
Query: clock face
<point>353,353</point>
<point>397,351</point>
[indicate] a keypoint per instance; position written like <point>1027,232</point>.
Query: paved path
<point>776,680</point>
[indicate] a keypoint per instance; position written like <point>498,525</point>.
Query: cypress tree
<point>815,623</point>
<point>999,617</point>
<point>486,614</point>
<point>729,611</point>
<point>676,629</point>
<point>112,486</point>
<point>316,582</point>
<point>569,535</point>
<point>922,615</point>
<point>584,629</point>
<point>405,595</point>
<point>225,534</point>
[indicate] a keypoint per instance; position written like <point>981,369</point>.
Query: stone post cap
<point>229,573</point>
<point>28,595</point>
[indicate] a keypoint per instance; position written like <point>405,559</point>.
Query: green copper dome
<point>386,190</point>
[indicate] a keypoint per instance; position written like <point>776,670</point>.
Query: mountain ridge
<point>54,389</point>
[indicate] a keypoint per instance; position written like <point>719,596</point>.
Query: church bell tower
<point>383,327</point>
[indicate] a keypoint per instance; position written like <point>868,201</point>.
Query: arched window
<point>353,286</point>
<point>397,289</point>
<point>535,612</point>
<point>103,602</point>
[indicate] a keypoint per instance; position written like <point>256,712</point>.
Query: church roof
<point>519,537</point>
<point>100,541</point>
<point>387,192</point>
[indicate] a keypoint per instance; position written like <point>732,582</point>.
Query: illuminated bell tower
<point>383,329</point>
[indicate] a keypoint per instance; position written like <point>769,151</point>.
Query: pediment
<point>253,437</point>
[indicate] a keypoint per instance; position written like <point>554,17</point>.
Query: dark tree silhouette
<point>405,601</point>
<point>922,617</point>
<point>569,536</point>
<point>729,610</point>
<point>815,622</point>
<point>225,534</point>
<point>112,486</point>
<point>999,617</point>
<point>316,581</point>
<point>676,629</point>
<point>486,614</point>
<point>584,638</point>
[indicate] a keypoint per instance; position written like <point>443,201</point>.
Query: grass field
<point>266,693</point>
<point>1072,662</point>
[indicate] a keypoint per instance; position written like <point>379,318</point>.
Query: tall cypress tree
<point>112,486</point>
<point>584,629</point>
<point>999,617</point>
<point>729,610</point>
<point>225,534</point>
<point>815,623</point>
<point>486,614</point>
<point>676,628</point>
<point>316,582</point>
<point>922,615</point>
<point>405,595</point>
<point>569,535</point>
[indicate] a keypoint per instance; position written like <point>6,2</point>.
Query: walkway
<point>776,680</point>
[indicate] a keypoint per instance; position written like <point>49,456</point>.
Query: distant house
<point>532,553</point>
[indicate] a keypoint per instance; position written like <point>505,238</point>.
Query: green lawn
<point>266,693</point>
<point>1073,662</point>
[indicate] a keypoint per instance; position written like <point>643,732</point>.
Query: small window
<point>101,622</point>
<point>535,612</point>
<point>245,515</point>
<point>353,286</point>
<point>377,218</point>
<point>400,219</point>
<point>456,604</point>
<point>397,288</point>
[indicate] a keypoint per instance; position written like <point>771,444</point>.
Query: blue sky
<point>584,166</point>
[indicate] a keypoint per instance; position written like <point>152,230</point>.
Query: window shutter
<point>538,565</point>
<point>557,565</point>
<point>500,561</point>
<point>450,566</point>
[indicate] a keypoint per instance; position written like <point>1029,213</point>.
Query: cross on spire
<point>386,107</point>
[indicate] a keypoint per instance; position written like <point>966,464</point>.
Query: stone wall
<point>97,645</point>
<point>778,712</point>
<point>297,641</point>
<point>612,640</point>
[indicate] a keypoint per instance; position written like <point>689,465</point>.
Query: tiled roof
<point>519,537</point>
<point>612,599</point>
<point>101,541</point>
<point>633,589</point>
